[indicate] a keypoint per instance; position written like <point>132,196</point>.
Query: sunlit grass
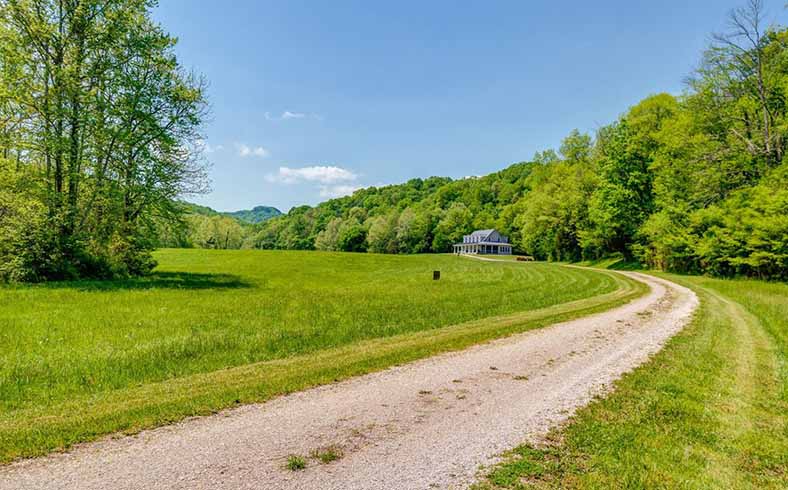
<point>211,329</point>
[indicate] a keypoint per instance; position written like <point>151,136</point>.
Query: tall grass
<point>86,358</point>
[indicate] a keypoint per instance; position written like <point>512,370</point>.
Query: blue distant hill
<point>257,214</point>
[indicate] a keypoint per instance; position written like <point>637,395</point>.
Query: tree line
<point>203,227</point>
<point>99,133</point>
<point>693,183</point>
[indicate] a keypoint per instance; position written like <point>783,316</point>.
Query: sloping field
<point>212,329</point>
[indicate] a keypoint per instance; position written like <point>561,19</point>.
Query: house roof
<point>482,233</point>
<point>483,238</point>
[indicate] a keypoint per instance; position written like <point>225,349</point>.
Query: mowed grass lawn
<point>210,329</point>
<point>710,411</point>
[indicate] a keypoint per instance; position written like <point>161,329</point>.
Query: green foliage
<point>382,233</point>
<point>352,239</point>
<point>456,222</point>
<point>99,132</point>
<point>689,184</point>
<point>295,462</point>
<point>257,214</point>
<point>576,148</point>
<point>555,211</point>
<point>624,197</point>
<point>419,216</point>
<point>747,234</point>
<point>220,232</point>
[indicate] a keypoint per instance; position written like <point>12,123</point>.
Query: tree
<point>353,238</point>
<point>575,148</point>
<point>624,197</point>
<point>104,122</point>
<point>555,210</point>
<point>328,239</point>
<point>455,223</point>
<point>382,233</point>
<point>219,232</point>
<point>742,55</point>
<point>413,232</point>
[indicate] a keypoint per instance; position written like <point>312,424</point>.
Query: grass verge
<point>708,412</point>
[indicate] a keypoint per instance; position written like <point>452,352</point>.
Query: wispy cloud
<point>332,191</point>
<point>284,116</point>
<point>206,147</point>
<point>248,151</point>
<point>323,174</point>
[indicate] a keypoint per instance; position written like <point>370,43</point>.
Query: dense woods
<point>695,183</point>
<point>99,131</point>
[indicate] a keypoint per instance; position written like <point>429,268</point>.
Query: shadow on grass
<point>158,280</point>
<point>624,265</point>
<point>615,262</point>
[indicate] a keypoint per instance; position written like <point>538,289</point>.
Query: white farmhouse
<point>488,242</point>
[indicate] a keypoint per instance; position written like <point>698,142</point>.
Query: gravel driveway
<point>429,424</point>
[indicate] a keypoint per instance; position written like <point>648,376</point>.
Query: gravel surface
<point>429,424</point>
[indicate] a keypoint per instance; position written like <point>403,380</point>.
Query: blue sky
<point>313,99</point>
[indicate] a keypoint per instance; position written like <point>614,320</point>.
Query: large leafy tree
<point>624,197</point>
<point>103,123</point>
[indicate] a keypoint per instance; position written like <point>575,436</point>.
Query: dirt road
<point>429,424</point>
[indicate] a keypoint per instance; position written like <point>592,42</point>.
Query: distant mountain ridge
<point>257,214</point>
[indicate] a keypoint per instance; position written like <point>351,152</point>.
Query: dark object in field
<point>526,258</point>
<point>436,275</point>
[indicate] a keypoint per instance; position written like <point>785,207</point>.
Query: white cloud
<point>247,151</point>
<point>292,115</point>
<point>318,173</point>
<point>332,181</point>
<point>332,191</point>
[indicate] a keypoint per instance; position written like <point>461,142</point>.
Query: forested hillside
<point>691,183</point>
<point>422,215</point>
<point>257,214</point>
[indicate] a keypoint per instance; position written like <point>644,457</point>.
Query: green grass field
<point>211,329</point>
<point>710,411</point>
